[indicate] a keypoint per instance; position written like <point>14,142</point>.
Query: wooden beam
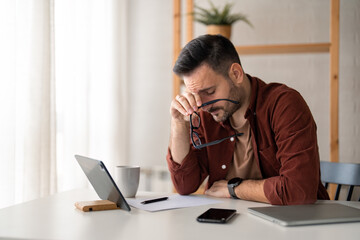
<point>177,43</point>
<point>283,48</point>
<point>334,81</point>
<point>334,87</point>
<point>189,20</point>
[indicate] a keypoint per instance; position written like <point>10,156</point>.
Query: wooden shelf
<point>284,48</point>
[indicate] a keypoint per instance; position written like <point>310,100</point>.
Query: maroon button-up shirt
<point>284,141</point>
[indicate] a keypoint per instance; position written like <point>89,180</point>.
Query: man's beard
<point>236,94</point>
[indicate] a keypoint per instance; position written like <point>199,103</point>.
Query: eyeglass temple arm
<point>216,141</point>
<point>216,100</point>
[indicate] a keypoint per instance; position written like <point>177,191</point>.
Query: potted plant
<point>218,22</point>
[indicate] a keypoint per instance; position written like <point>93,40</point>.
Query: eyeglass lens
<point>196,138</point>
<point>195,120</point>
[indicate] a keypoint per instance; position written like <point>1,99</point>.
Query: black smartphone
<point>216,215</point>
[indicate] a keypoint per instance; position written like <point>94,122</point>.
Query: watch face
<point>235,181</point>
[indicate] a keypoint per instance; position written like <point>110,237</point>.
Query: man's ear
<point>236,73</point>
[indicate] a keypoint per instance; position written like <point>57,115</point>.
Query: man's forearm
<point>179,140</point>
<point>252,190</point>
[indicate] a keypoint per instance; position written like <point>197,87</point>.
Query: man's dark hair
<point>215,50</point>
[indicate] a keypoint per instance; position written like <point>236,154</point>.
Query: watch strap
<point>231,186</point>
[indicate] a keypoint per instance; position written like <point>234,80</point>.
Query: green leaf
<point>214,16</point>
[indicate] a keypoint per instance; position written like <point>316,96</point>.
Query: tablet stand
<point>97,205</point>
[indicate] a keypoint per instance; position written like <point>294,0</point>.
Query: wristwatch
<point>232,183</point>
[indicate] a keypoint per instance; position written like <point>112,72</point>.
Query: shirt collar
<point>253,96</point>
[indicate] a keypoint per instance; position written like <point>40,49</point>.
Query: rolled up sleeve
<point>187,176</point>
<point>297,151</point>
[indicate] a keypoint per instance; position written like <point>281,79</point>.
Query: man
<point>255,141</point>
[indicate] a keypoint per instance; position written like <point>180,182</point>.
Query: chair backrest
<point>341,174</point>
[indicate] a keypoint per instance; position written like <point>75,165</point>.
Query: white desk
<point>55,217</point>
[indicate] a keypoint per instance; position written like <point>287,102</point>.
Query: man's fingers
<point>175,105</point>
<point>191,98</point>
<point>185,104</point>
<point>198,100</point>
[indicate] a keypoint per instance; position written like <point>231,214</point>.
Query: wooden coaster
<point>97,205</point>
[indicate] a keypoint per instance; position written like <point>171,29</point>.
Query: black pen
<point>155,200</point>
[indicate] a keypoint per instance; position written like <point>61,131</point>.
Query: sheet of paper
<point>174,201</point>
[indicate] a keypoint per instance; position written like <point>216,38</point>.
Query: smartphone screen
<point>216,215</point>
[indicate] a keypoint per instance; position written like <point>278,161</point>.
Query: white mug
<point>127,180</point>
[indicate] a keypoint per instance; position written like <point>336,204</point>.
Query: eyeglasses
<point>195,124</point>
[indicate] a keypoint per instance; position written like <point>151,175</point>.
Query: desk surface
<point>55,217</point>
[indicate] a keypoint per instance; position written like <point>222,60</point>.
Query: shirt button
<point>223,166</point>
<point>232,139</point>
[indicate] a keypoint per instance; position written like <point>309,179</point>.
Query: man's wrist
<point>232,184</point>
<point>180,129</point>
<point>179,123</point>
<point>179,140</point>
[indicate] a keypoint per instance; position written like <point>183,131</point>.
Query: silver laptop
<point>319,213</point>
<point>102,181</point>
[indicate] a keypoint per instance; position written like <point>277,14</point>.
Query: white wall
<point>280,21</point>
<point>150,80</point>
<point>349,81</point>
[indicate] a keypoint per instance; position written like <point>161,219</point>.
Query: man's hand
<point>181,108</point>
<point>184,105</point>
<point>218,189</point>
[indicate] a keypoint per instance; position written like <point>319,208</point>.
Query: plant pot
<point>224,30</point>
